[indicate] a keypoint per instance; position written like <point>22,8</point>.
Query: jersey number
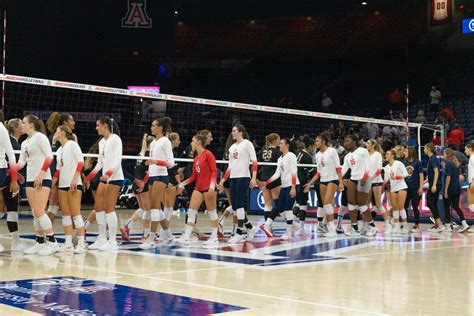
<point>441,5</point>
<point>198,169</point>
<point>267,155</point>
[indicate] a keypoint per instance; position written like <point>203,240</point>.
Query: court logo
<point>260,200</point>
<point>136,16</point>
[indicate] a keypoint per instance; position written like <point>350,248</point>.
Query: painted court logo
<point>136,16</point>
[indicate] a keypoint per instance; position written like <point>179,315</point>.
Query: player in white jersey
<point>110,162</point>
<point>469,151</point>
<point>396,172</point>
<point>162,158</point>
<point>286,171</point>
<point>360,184</point>
<point>241,153</point>
<point>376,167</point>
<point>70,162</point>
<point>329,173</point>
<point>36,154</point>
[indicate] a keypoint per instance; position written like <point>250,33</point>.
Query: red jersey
<point>204,171</point>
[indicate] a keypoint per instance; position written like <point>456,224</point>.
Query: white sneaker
<point>464,228</point>
<point>331,234</point>
<point>148,243</point>
<point>363,231</point>
<point>161,235</point>
<point>66,248</point>
<point>435,229</point>
<point>18,247</point>
<point>371,231</point>
<point>97,244</point>
<point>34,249</point>
<point>286,235</point>
<point>80,248</point>
<point>211,242</point>
<point>251,233</point>
<point>447,228</point>
<point>340,230</point>
<point>236,239</point>
<point>404,230</point>
<point>49,249</point>
<point>353,232</point>
<point>110,245</point>
<point>184,240</point>
<point>168,237</point>
<point>322,228</point>
<point>415,229</point>
<point>388,229</point>
<point>396,230</point>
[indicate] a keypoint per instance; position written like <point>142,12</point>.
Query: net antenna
<point>4,56</point>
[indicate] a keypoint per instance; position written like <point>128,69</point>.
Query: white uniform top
<point>397,169</point>
<point>5,148</point>
<point>286,170</point>
<point>160,149</point>
<point>110,157</point>
<point>240,155</point>
<point>327,163</point>
<point>376,162</point>
<point>358,161</point>
<point>470,172</point>
<point>34,151</point>
<point>68,156</point>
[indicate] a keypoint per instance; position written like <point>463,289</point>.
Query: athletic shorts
<point>406,190</point>
<point>79,187</point>
<point>239,190</point>
<point>285,201</point>
<point>227,184</point>
<point>377,184</point>
<point>363,188</point>
<point>45,183</point>
<point>163,179</point>
<point>135,188</point>
<point>336,182</point>
<point>4,177</point>
<point>274,184</point>
<point>118,183</point>
<point>302,197</point>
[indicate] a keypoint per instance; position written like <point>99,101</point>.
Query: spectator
<point>341,131</point>
<point>435,96</point>
<point>448,114</point>
<point>395,100</point>
<point>436,140</point>
<point>326,102</point>
<point>372,130</point>
<point>455,137</point>
<point>421,118</point>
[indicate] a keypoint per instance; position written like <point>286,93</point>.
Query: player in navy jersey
<point>270,153</point>
<point>434,182</point>
<point>241,153</point>
<point>110,162</point>
<point>414,182</point>
<point>305,174</point>
<point>36,154</point>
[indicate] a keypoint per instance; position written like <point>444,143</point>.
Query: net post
<point>419,141</point>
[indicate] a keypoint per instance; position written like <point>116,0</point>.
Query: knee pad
<point>168,213</point>
<point>229,209</point>
<point>320,212</point>
<point>36,224</point>
<point>396,214</point>
<point>146,216</point>
<point>351,207</point>
<point>12,216</point>
<point>296,210</point>
<point>363,208</point>
<point>67,220</point>
<point>213,215</point>
<point>53,209</point>
<point>139,213</point>
<point>192,214</point>
<point>403,214</point>
<point>44,222</point>
<point>78,221</point>
<point>157,215</point>
<point>328,210</point>
<point>240,213</point>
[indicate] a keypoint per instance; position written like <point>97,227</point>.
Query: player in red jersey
<point>205,176</point>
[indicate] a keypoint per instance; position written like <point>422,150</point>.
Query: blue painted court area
<point>76,296</point>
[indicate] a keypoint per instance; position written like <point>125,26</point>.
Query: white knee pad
<point>396,214</point>
<point>363,208</point>
<point>213,215</point>
<point>240,213</point>
<point>289,215</point>
<point>157,215</point>
<point>67,220</point>
<point>403,214</point>
<point>328,209</point>
<point>192,214</point>
<point>53,209</point>
<point>351,207</point>
<point>168,213</point>
<point>230,210</point>
<point>146,216</point>
<point>320,212</point>
<point>12,216</point>
<point>78,221</point>
<point>44,222</point>
<point>139,213</point>
<point>36,224</point>
<point>471,207</point>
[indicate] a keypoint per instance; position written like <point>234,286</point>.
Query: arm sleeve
<point>404,171</point>
<point>8,146</point>
<point>77,153</point>
<point>43,143</point>
<point>294,170</point>
<point>252,154</point>
<point>169,154</point>
<point>22,159</point>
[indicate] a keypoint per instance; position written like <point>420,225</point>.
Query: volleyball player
<point>469,151</point>
<point>36,154</point>
<point>68,172</point>
<point>270,153</point>
<point>305,156</point>
<point>141,191</point>
<point>8,178</point>
<point>414,182</point>
<point>110,162</point>
<point>204,176</point>
<point>329,172</point>
<point>286,170</point>
<point>161,154</point>
<point>241,153</point>
<point>396,172</point>
<point>9,194</point>
<point>452,190</point>
<point>376,165</point>
<point>360,184</point>
<point>434,181</point>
